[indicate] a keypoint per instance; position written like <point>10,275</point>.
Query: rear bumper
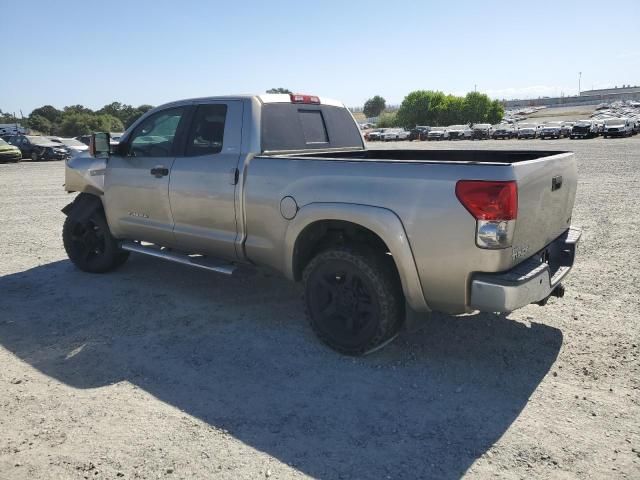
<point>533,280</point>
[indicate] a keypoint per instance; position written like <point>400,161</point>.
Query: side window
<point>154,137</point>
<point>206,134</point>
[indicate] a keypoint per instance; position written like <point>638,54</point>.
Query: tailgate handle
<point>556,183</point>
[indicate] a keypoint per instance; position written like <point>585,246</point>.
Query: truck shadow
<point>236,353</point>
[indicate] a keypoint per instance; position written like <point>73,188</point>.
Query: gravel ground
<point>160,371</point>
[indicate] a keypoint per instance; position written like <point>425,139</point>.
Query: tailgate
<point>546,192</point>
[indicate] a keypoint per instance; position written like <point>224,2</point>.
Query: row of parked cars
<point>590,128</point>
<point>14,148</point>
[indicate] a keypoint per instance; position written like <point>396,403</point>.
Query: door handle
<point>159,171</point>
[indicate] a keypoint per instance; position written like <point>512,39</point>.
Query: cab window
<point>155,136</point>
<point>206,134</point>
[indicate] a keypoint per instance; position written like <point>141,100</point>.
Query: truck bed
<point>496,157</point>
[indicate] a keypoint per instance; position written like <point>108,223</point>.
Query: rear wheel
<point>90,246</point>
<point>353,299</point>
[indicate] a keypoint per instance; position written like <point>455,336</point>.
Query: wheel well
<point>327,233</point>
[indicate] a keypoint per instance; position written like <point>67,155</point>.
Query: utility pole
<point>579,81</point>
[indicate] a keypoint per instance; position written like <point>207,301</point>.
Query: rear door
<point>203,180</point>
<point>546,193</point>
<point>137,179</point>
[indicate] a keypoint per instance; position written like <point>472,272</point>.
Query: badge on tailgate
<point>556,183</point>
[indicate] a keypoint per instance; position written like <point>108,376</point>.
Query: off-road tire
<point>106,255</point>
<point>380,289</point>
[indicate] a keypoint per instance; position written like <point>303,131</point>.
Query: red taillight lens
<point>299,98</point>
<point>489,200</point>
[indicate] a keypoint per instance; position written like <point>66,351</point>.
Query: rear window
<point>290,126</point>
<point>313,126</point>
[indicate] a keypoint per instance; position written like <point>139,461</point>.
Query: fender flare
<point>381,221</point>
<point>82,207</point>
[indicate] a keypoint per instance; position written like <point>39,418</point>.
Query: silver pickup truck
<point>285,181</point>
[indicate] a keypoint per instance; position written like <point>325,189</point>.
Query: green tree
<point>135,114</point>
<point>279,90</point>
<point>374,106</point>
<point>476,107</point>
<point>76,109</point>
<point>420,107</point>
<point>40,124</point>
<point>78,123</point>
<point>496,112</point>
<point>49,112</point>
<point>387,120</point>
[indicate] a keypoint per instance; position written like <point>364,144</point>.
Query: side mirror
<point>100,146</point>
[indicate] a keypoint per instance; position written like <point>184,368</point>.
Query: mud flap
<point>82,207</point>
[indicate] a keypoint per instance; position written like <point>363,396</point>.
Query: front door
<point>137,179</point>
<point>203,180</point>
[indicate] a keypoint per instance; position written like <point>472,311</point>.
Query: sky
<point>151,52</point>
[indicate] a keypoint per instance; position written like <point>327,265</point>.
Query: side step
<point>197,261</point>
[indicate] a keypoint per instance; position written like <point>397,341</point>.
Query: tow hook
<point>556,292</point>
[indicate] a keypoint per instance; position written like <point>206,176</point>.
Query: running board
<point>197,261</point>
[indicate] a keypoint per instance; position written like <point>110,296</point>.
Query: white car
<point>460,132</point>
<point>72,146</point>
<point>437,133</point>
<point>394,134</point>
<point>618,127</point>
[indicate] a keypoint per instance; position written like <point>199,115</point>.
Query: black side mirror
<point>100,146</point>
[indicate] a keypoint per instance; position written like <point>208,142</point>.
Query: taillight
<point>300,98</point>
<point>487,200</point>
<point>494,205</point>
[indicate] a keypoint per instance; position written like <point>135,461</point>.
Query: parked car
<point>551,130</point>
<point>394,134</point>
<point>284,181</point>
<point>482,131</point>
<point>86,139</point>
<point>39,148</point>
<point>71,145</point>
<point>375,135</point>
<point>437,133</point>
<point>460,132</point>
<point>584,129</point>
<point>502,131</point>
<point>9,153</point>
<point>566,128</point>
<point>617,127</point>
<point>420,132</point>
<point>527,130</point>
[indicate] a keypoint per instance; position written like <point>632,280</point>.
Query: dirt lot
<point>160,371</point>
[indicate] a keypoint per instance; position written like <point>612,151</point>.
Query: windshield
<point>614,122</point>
<point>553,124</point>
<point>482,125</point>
<point>71,142</point>
<point>527,125</point>
<point>437,129</point>
<point>3,143</point>
<point>457,127</point>
<point>42,141</point>
<point>583,123</point>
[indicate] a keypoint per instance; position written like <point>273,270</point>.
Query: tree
<point>279,90</point>
<point>49,112</point>
<point>136,114</point>
<point>476,107</point>
<point>77,109</point>
<point>420,107</point>
<point>40,124</point>
<point>496,112</point>
<point>374,106</point>
<point>387,120</point>
<point>75,124</point>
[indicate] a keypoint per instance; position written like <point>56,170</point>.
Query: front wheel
<point>90,246</point>
<point>34,156</point>
<point>353,299</point>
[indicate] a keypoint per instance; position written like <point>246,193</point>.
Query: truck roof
<point>263,98</point>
